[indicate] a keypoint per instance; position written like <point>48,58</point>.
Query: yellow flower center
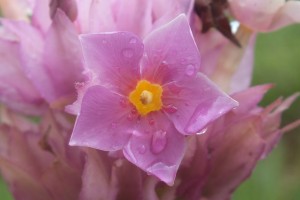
<point>146,97</point>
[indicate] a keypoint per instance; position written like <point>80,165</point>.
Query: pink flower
<point>148,97</point>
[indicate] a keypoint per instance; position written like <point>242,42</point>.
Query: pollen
<point>146,97</point>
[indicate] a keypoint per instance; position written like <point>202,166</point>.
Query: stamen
<point>146,97</point>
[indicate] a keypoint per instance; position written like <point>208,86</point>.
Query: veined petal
<point>103,120</point>
<point>114,58</point>
<point>156,147</point>
<point>170,53</point>
<point>195,104</point>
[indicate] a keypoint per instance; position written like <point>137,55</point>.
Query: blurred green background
<point>278,176</point>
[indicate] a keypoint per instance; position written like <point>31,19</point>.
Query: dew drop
<point>142,149</point>
<point>128,53</point>
<point>170,109</point>
<point>159,141</point>
<point>190,70</point>
<point>202,131</point>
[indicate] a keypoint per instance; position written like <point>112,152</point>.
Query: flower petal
<point>114,58</point>
<point>68,6</point>
<point>16,91</point>
<point>40,15</point>
<point>134,16</point>
<point>234,153</point>
<point>171,53</point>
<point>95,176</point>
<point>102,122</point>
<point>286,15</point>
<point>195,103</point>
<point>62,71</point>
<point>156,147</point>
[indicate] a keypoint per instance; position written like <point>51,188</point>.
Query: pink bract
<point>168,57</point>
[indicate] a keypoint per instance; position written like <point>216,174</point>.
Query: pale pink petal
<point>264,16</point>
<point>193,171</point>
<point>249,98</point>
<point>286,15</point>
<point>170,53</point>
<point>16,90</point>
<point>255,14</point>
<point>66,176</point>
<point>41,15</point>
<point>127,180</point>
<point>83,16</point>
<point>21,184</point>
<point>134,16</point>
<point>114,58</point>
<point>156,147</point>
<point>62,60</point>
<point>164,11</point>
<point>272,119</point>
<point>234,153</point>
<point>210,46</point>
<point>68,6</point>
<point>101,17</point>
<point>103,122</point>
<point>229,61</point>
<point>53,75</point>
<point>193,104</point>
<point>95,175</point>
<point>242,78</point>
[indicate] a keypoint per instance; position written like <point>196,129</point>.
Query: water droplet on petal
<point>159,141</point>
<point>132,41</point>
<point>190,70</point>
<point>142,149</point>
<point>128,53</point>
<point>170,109</point>
<point>202,131</point>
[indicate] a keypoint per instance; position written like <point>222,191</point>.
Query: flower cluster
<point>134,99</point>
